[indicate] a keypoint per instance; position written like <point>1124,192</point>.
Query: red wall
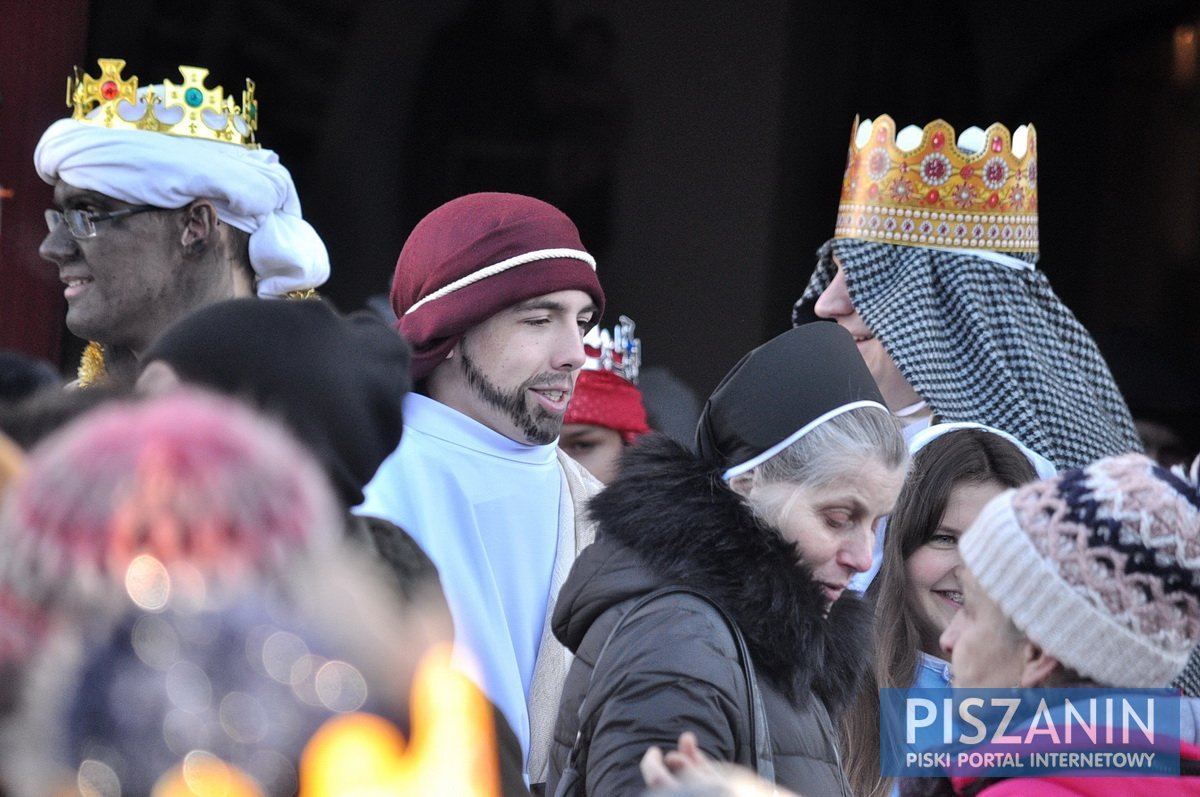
<point>39,43</point>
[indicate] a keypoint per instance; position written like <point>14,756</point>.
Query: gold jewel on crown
<point>618,352</point>
<point>939,192</point>
<point>189,109</point>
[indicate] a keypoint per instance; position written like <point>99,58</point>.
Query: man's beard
<point>539,426</point>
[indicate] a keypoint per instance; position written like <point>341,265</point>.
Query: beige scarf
<point>575,532</point>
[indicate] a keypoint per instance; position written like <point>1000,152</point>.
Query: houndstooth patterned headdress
<point>986,342</point>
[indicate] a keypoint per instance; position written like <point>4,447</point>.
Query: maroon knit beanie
<point>476,255</point>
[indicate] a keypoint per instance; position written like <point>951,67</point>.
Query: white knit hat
<point>1100,566</point>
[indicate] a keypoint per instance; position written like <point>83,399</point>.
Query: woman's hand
<point>687,763</point>
<point>687,770</point>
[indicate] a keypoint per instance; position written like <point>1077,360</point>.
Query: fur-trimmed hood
<point>669,519</point>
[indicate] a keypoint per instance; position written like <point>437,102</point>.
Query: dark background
<point>698,144</point>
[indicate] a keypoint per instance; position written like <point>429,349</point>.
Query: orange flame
<point>453,749</point>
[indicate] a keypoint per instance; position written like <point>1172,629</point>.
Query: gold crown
<point>189,109</point>
<point>941,193</point>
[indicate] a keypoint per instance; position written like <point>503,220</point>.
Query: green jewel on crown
<point>189,109</point>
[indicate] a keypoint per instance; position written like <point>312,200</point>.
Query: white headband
<point>250,189</point>
<point>754,462</point>
<point>1042,466</point>
<point>996,257</point>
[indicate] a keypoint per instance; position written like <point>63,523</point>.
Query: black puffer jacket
<point>668,519</point>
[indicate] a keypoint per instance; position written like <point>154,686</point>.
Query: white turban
<point>249,188</point>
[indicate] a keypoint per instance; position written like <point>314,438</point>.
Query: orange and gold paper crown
<point>189,109</point>
<point>941,193</point>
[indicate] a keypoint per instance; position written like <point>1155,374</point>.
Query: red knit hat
<point>606,392</point>
<point>476,255</point>
<point>602,398</point>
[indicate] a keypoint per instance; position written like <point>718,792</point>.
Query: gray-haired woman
<point>798,458</point>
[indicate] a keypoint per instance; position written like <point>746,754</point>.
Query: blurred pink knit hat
<point>131,493</point>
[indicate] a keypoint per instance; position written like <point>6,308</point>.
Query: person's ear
<point>743,483</point>
<point>1037,664</point>
<point>199,227</point>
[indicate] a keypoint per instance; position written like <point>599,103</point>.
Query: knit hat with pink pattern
<point>1100,566</point>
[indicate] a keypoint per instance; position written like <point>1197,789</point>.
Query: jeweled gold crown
<point>925,188</point>
<point>618,352</point>
<point>189,109</point>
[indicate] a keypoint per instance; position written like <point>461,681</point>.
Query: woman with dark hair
<point>956,469</point>
<point>797,458</point>
<point>1089,579</point>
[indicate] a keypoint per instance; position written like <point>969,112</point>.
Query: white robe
<point>497,517</point>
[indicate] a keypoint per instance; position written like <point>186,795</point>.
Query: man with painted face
<point>933,269</point>
<point>164,202</point>
<point>494,292</point>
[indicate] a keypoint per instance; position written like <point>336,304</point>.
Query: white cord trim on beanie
<point>1030,591</point>
<point>502,266</point>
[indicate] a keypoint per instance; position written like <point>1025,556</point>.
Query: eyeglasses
<point>82,223</point>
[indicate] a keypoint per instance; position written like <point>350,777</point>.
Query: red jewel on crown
<point>225,123</point>
<point>941,188</point>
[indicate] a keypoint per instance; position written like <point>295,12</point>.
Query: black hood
<point>668,518</point>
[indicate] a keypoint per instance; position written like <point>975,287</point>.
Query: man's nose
<point>569,354</point>
<point>58,245</point>
<point>834,301</point>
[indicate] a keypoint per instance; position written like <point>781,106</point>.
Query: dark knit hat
<point>338,382</point>
<point>779,392</point>
<point>476,255</point>
<point>1099,566</point>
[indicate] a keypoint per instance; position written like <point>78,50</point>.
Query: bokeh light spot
<point>97,779</point>
<point>243,717</point>
<point>188,687</point>
<point>280,654</point>
<point>182,732</point>
<point>304,680</point>
<point>155,642</point>
<point>148,583</point>
<point>341,687</point>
